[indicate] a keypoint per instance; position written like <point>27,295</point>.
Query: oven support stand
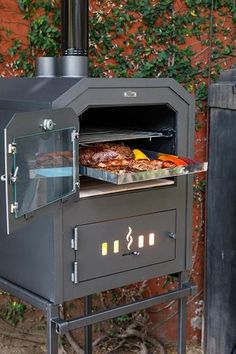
<point>57,326</point>
<point>88,329</point>
<point>52,337</point>
<point>182,316</point>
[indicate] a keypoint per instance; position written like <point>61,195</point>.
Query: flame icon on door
<point>129,239</point>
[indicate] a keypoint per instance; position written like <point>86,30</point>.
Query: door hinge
<point>14,207</point>
<point>172,235</point>
<point>12,148</point>
<point>74,240</point>
<point>74,135</point>
<point>74,275</point>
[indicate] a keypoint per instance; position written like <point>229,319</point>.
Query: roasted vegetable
<point>139,155</point>
<point>172,158</point>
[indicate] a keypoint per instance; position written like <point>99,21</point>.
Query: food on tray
<point>145,165</point>
<point>53,159</point>
<point>166,158</point>
<point>139,155</point>
<point>168,164</point>
<point>118,158</point>
<point>93,155</point>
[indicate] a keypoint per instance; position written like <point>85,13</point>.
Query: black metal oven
<point>71,232</point>
<point>71,235</point>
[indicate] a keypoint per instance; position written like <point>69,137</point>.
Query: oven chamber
<point>82,236</point>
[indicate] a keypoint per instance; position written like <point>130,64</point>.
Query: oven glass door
<point>44,169</point>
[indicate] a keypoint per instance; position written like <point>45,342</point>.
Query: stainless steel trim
<point>6,181</point>
<point>73,138</point>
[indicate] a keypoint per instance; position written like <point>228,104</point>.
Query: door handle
<point>133,253</point>
<point>13,178</point>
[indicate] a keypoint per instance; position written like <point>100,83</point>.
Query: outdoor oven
<point>69,231</point>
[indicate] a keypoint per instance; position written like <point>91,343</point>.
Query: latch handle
<point>14,176</point>
<point>131,253</point>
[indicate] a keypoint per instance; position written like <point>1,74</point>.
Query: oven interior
<point>148,128</point>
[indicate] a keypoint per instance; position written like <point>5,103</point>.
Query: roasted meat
<point>168,164</point>
<point>146,165</point>
<point>93,155</point>
<point>131,165</point>
<point>53,159</point>
<point>118,158</point>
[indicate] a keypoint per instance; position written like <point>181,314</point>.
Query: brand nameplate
<point>130,94</point>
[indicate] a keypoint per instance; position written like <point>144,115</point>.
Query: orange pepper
<point>172,158</point>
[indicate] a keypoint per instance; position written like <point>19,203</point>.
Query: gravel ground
<point>21,347</point>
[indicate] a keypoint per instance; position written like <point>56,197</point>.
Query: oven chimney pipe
<point>74,43</point>
<point>74,27</point>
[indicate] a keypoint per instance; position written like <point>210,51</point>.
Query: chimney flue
<point>74,33</point>
<point>74,27</point>
<point>74,43</point>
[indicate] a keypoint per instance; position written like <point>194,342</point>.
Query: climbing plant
<point>43,19</point>
<point>162,39</point>
<point>130,38</point>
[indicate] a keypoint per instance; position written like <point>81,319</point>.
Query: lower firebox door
<point>110,247</point>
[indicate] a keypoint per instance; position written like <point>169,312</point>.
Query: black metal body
<point>39,246</point>
<point>221,222</point>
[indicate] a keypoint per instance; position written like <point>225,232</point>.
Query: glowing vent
<point>104,249</point>
<point>116,246</point>
<point>141,241</point>
<point>151,239</point>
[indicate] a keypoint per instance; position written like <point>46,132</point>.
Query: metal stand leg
<point>88,329</point>
<point>182,317</point>
<point>52,338</point>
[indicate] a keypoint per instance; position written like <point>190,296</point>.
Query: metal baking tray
<point>132,177</point>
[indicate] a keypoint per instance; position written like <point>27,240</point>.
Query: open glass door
<point>44,167</point>
<point>41,161</point>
